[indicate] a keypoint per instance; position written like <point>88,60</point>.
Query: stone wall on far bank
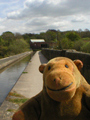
<point>8,60</point>
<point>72,54</point>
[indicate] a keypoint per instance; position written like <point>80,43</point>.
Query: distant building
<point>38,43</point>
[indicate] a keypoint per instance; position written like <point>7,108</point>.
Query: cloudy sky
<point>35,16</point>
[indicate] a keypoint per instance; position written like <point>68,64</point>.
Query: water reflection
<point>9,77</point>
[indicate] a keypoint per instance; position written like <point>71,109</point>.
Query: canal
<point>10,75</point>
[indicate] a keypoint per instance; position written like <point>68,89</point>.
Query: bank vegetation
<point>14,43</point>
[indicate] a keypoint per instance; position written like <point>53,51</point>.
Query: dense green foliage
<point>14,43</point>
<point>11,44</point>
<point>66,43</point>
<point>73,36</point>
<point>86,47</point>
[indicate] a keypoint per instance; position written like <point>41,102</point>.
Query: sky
<point>35,16</point>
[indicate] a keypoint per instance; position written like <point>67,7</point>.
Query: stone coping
<point>8,60</point>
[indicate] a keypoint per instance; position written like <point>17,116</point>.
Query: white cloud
<point>39,15</point>
<point>41,8</point>
<point>79,18</point>
<point>53,8</point>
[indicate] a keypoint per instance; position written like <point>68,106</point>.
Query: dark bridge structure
<point>38,44</point>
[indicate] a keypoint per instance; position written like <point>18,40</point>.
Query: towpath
<point>29,84</point>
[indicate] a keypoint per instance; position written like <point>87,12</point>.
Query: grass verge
<point>16,98</point>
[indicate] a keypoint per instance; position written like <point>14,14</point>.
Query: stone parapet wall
<point>72,54</point>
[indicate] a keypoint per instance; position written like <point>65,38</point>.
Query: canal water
<point>10,75</point>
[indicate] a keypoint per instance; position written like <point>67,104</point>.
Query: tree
<point>86,30</point>
<point>43,35</point>
<point>8,37</point>
<point>18,46</point>
<point>73,36</point>
<point>86,47</point>
<point>78,45</point>
<point>26,38</point>
<point>66,44</point>
<point>79,30</point>
<point>18,36</point>
<point>3,48</point>
<point>51,35</point>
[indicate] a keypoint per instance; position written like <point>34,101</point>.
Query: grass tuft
<point>24,72</point>
<point>15,94</point>
<point>18,101</point>
<point>10,110</point>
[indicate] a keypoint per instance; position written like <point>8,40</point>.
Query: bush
<point>78,45</point>
<point>73,36</point>
<point>66,44</point>
<point>18,46</point>
<point>86,47</point>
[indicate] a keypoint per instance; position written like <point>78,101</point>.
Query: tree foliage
<point>73,36</point>
<point>51,35</point>
<point>86,47</point>
<point>13,43</point>
<point>8,37</point>
<point>18,46</point>
<point>78,45</point>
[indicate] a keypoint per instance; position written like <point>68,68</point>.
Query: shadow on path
<point>42,58</point>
